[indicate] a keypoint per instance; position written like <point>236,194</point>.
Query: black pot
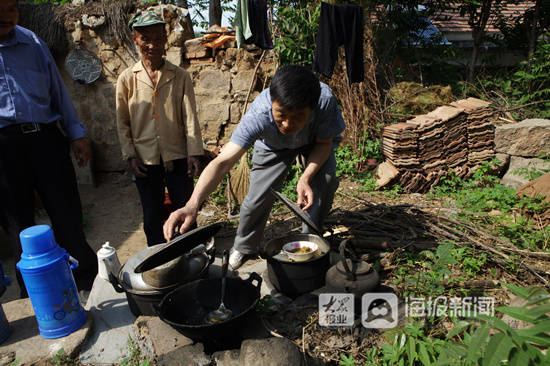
<point>296,278</point>
<point>186,307</point>
<point>144,299</point>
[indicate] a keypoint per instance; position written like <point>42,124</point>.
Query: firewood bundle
<point>420,151</point>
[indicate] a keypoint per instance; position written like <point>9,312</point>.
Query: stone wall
<point>221,84</point>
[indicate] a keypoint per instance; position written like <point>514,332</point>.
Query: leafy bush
<point>486,340</point>
<point>483,198</point>
<point>349,164</point>
<point>294,33</point>
<point>525,89</point>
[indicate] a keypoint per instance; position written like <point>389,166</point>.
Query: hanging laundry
<point>242,25</point>
<point>257,18</point>
<point>340,25</point>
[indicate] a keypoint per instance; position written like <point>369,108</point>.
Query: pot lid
<point>136,283</point>
<point>83,66</point>
<point>298,212</point>
<point>177,247</point>
<point>358,267</point>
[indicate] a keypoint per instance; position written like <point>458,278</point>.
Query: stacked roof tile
<point>456,137</point>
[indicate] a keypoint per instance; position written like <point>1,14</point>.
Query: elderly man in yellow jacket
<point>157,124</point>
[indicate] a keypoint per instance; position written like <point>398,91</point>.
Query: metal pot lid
<point>358,267</point>
<point>298,212</point>
<point>134,282</point>
<point>177,247</point>
<point>83,66</point>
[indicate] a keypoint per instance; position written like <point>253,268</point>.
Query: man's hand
<point>185,216</point>
<point>305,194</point>
<point>193,166</point>
<point>81,151</point>
<point>137,167</point>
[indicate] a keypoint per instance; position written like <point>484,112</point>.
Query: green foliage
<point>407,346</point>
<point>135,358</point>
<point>346,360</point>
<point>394,191</point>
<point>437,269</point>
<point>349,162</point>
<point>352,165</point>
<point>61,359</point>
<point>423,274</point>
<point>289,186</point>
<point>476,345</point>
<point>470,263</point>
<point>295,31</point>
<point>531,173</point>
<point>486,340</point>
<point>481,196</point>
<point>218,196</point>
<point>526,88</point>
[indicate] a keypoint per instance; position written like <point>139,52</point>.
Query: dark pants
<point>151,191</point>
<point>269,169</point>
<point>340,24</point>
<point>40,162</point>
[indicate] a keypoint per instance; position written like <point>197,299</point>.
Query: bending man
<point>296,115</point>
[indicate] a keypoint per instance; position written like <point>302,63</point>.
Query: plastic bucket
<point>46,271</point>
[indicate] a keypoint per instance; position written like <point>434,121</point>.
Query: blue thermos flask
<point>46,271</point>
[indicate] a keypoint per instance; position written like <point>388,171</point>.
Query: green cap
<point>145,19</point>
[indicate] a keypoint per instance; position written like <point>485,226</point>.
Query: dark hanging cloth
<point>257,17</point>
<point>340,25</point>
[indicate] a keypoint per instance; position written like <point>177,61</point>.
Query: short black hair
<point>295,87</point>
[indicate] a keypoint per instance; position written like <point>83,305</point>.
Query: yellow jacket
<point>157,122</point>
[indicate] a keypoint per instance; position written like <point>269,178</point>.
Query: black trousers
<point>340,25</point>
<point>40,162</point>
<point>257,17</point>
<point>151,191</point>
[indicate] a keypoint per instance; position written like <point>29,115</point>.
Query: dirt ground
<point>112,212</point>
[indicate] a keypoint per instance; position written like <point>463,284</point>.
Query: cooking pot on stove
<point>186,307</point>
<point>296,278</point>
<point>351,274</point>
<point>155,271</point>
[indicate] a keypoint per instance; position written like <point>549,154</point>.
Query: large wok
<point>186,307</point>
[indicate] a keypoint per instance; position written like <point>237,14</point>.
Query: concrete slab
<point>163,337</point>
<point>25,343</point>
<point>114,322</point>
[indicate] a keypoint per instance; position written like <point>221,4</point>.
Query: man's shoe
<point>236,259</point>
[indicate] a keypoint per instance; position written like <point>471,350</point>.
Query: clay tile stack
<point>454,139</point>
<point>481,132</point>
<point>430,147</point>
<point>457,137</point>
<point>399,143</point>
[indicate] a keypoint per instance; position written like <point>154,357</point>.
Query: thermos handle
<point>73,262</point>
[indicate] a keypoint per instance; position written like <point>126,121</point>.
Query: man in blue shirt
<point>34,153</point>
<point>296,115</point>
